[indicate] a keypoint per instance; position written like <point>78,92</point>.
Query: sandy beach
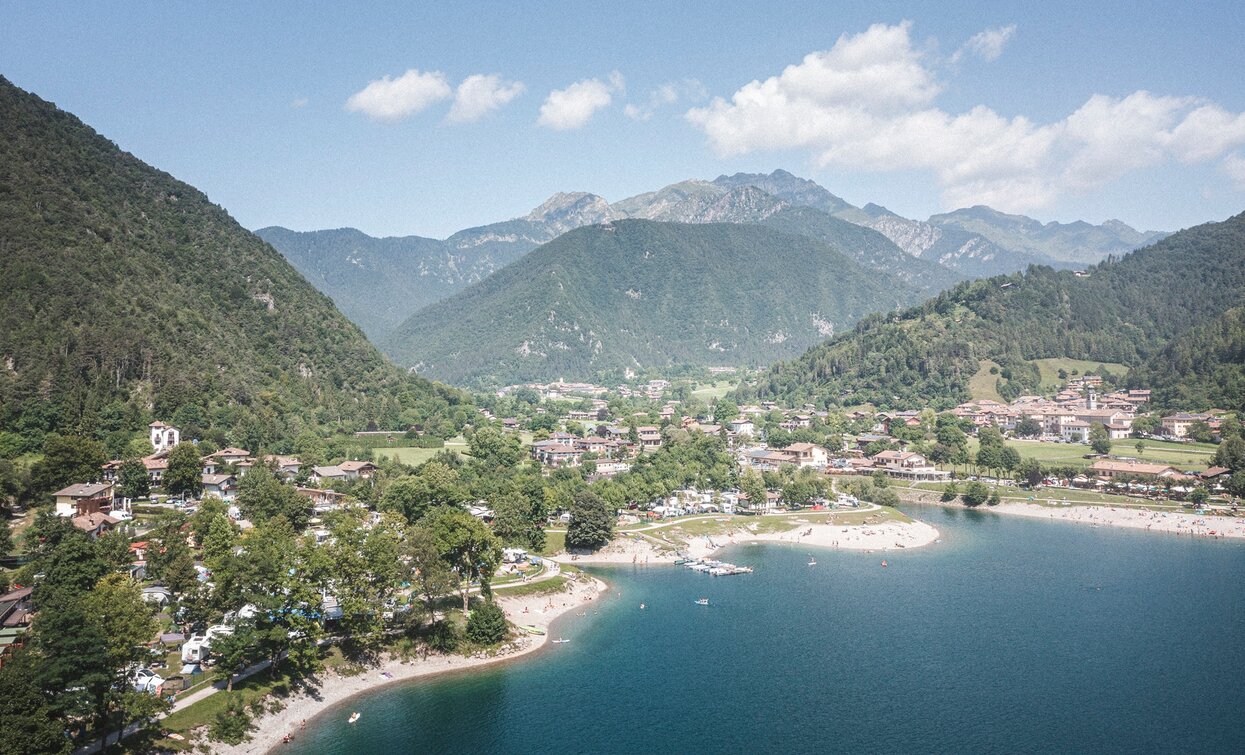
<point>634,548</point>
<point>536,610</point>
<point>1177,522</point>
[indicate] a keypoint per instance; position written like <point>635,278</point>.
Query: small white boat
<point>812,561</point>
<point>560,641</point>
<point>641,606</point>
<point>702,601</point>
<point>354,716</point>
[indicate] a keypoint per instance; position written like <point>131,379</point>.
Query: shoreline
<point>335,689</point>
<point>1172,522</point>
<point>634,548</point>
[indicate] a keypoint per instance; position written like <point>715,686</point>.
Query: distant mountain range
<point>1170,312</point>
<point>642,294</point>
<point>378,283</point>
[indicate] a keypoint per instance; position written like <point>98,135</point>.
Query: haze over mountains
<point>380,282</point>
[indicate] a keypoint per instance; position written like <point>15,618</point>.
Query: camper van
<point>195,650</point>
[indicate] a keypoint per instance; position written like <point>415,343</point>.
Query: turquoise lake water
<point>1011,635</point>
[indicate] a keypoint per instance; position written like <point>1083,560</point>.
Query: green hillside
<point>128,295</point>
<point>645,294</point>
<point>1127,311</point>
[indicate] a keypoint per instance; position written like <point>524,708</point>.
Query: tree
<point>1231,454</point>
<point>1201,432</point>
<point>431,577</point>
<point>218,541</point>
<point>1028,427</point>
<point>262,495</point>
<point>1099,439</point>
<point>1030,472</point>
<point>127,624</point>
<point>1198,496</point>
<point>519,521</point>
<point>66,460</point>
<point>494,448</point>
<point>184,476</point>
<point>232,725</point>
<point>950,492</point>
<point>467,545</point>
<point>752,485</point>
<point>592,522</point>
<point>975,494</point>
<point>1141,447</point>
<point>487,624</point>
<point>133,480</point>
<point>725,411</point>
<point>995,499</point>
<point>28,721</point>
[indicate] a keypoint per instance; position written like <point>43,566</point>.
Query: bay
<point>1010,635</point>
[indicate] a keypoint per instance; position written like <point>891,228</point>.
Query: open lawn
<point>1190,455</point>
<point>416,456</point>
<point>717,389</point>
<point>544,587</point>
<point>555,542</point>
<point>982,385</point>
<point>1049,370</point>
<point>1041,496</point>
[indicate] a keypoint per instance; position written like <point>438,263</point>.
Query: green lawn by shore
<point>1192,455</point>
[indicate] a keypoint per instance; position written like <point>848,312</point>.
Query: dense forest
<point>1160,310</point>
<point>129,296</point>
<point>640,294</point>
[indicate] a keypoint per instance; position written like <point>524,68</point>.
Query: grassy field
<point>555,542</point>
<point>1191,455</point>
<point>982,385</point>
<point>416,456</point>
<point>718,389</point>
<point>520,589</point>
<point>1049,370</point>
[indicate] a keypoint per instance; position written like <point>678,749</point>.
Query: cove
<point>1011,634</point>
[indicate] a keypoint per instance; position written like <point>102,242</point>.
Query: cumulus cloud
<point>389,99</point>
<point>868,103</point>
<point>1234,166</point>
<point>987,44</point>
<point>666,95</point>
<point>480,94</point>
<point>574,106</point>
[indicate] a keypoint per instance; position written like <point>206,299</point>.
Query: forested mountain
<point>638,293</point>
<point>128,295</point>
<point>1203,368</point>
<point>379,282</point>
<point>1162,309</point>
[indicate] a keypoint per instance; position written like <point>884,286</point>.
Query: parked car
<point>146,680</point>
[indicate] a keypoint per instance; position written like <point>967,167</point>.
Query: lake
<point>1011,635</point>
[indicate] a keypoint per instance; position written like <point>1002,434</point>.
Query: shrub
<point>487,624</point>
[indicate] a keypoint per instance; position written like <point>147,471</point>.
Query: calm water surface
<point>1011,635</point>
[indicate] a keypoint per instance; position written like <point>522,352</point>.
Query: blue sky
<point>1059,110</point>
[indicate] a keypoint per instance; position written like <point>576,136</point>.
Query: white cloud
<point>480,94</point>
<point>299,103</point>
<point>868,103</point>
<point>387,99</point>
<point>574,106</point>
<point>1234,166</point>
<point>987,44</point>
<point>670,93</point>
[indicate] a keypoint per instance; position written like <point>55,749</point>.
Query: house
<point>286,466</point>
<point>1177,425</point>
<point>1074,431</point>
<point>70,500</point>
<point>806,455</point>
<point>157,464</point>
<point>163,437</point>
<point>16,608</point>
<point>650,437</point>
<point>230,455</point>
<point>358,470</point>
<point>596,445</point>
<point>556,453</point>
<point>909,465</point>
<point>94,523</point>
<point>765,460</point>
<point>329,473</point>
<point>741,426</point>
<point>322,500</point>
<point>223,486</point>
<point>607,468</point>
<point>1108,469</point>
